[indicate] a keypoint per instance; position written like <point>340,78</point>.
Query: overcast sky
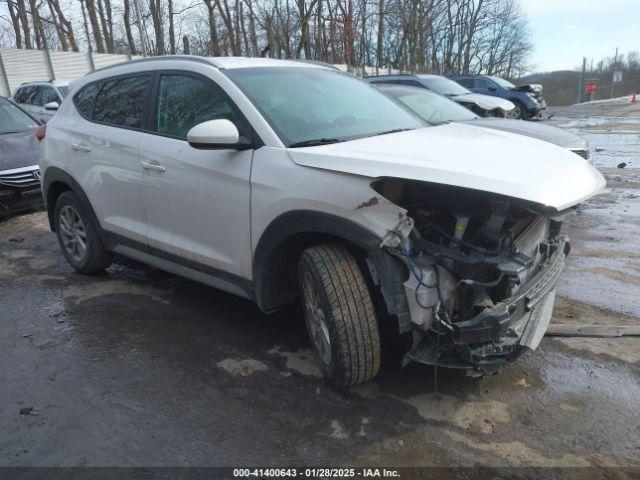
<point>564,31</point>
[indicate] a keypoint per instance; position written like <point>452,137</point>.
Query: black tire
<point>345,302</point>
<point>95,257</point>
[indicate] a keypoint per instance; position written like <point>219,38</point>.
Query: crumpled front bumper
<point>500,334</point>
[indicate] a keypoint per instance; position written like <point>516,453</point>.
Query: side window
<point>35,98</point>
<point>465,82</point>
<point>481,84</point>
<point>85,98</point>
<point>49,95</point>
<point>17,97</point>
<point>29,96</point>
<point>120,101</point>
<point>185,101</point>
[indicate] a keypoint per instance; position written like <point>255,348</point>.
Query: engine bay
<point>469,252</point>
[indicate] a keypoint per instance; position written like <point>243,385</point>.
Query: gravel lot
<point>140,368</point>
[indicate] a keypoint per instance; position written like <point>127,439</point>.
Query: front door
<point>196,201</point>
<point>49,95</point>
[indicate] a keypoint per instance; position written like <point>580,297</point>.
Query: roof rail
<point>37,81</point>
<point>317,62</point>
<point>192,58</point>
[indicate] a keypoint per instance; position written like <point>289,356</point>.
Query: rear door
<point>196,201</point>
<point>101,145</point>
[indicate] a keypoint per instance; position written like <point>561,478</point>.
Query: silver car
<point>437,109</point>
<point>483,105</point>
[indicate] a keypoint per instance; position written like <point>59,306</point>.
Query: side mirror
<point>52,106</point>
<point>493,89</point>
<point>217,134</point>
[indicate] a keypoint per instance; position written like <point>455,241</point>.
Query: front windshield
<point>503,83</point>
<point>64,90</point>
<point>444,86</point>
<point>306,104</point>
<point>430,106</point>
<point>14,120</point>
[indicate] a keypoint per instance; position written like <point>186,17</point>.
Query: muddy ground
<point>140,368</point>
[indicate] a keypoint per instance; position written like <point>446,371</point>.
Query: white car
<point>281,181</point>
<point>41,99</point>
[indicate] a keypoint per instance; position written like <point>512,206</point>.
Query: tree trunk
<point>127,27</point>
<point>59,28</point>
<point>15,21</point>
<point>37,24</point>
<point>213,29</point>
<point>172,36</point>
<point>226,18</point>
<point>24,20</point>
<point>379,46</point>
<point>155,9</point>
<point>95,25</point>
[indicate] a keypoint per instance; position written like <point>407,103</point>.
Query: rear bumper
<point>499,335</point>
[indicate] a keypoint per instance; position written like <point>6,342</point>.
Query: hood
<point>486,102</point>
<point>465,156</point>
<point>531,88</point>
<point>562,138</point>
<point>19,150</point>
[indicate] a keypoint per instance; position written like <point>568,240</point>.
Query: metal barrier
<point>18,66</point>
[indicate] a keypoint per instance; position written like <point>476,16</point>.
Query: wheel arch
<point>279,248</point>
<point>55,182</point>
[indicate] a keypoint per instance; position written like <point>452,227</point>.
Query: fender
<point>55,174</point>
<point>277,252</point>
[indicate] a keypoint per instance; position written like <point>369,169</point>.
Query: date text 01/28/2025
<point>316,472</point>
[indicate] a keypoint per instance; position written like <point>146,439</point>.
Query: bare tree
<point>127,27</point>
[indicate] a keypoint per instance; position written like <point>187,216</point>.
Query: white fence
<point>19,66</point>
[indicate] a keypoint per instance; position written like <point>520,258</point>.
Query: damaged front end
<point>482,272</point>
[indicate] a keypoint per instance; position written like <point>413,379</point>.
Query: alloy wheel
<point>316,318</point>
<point>73,233</point>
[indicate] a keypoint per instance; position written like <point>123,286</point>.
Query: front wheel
<point>339,314</point>
<point>519,112</point>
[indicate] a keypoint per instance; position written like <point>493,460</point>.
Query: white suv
<point>281,181</point>
<point>41,99</point>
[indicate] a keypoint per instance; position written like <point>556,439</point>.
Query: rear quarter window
<point>85,98</point>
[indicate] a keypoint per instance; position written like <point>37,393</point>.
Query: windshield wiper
<point>315,142</point>
<point>395,130</point>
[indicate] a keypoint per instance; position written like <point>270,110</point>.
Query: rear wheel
<point>339,314</point>
<point>78,236</point>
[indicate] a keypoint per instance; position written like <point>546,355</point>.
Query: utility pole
<point>615,63</point>
<point>143,48</point>
<point>581,79</point>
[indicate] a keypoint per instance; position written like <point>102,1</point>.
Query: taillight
<point>41,132</point>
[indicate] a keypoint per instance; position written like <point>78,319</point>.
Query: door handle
<point>153,166</point>
<point>79,146</point>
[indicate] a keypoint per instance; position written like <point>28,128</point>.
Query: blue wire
<point>418,278</point>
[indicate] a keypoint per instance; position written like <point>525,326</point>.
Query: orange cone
<point>633,97</point>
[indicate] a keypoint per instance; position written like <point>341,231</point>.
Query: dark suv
<point>528,99</point>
